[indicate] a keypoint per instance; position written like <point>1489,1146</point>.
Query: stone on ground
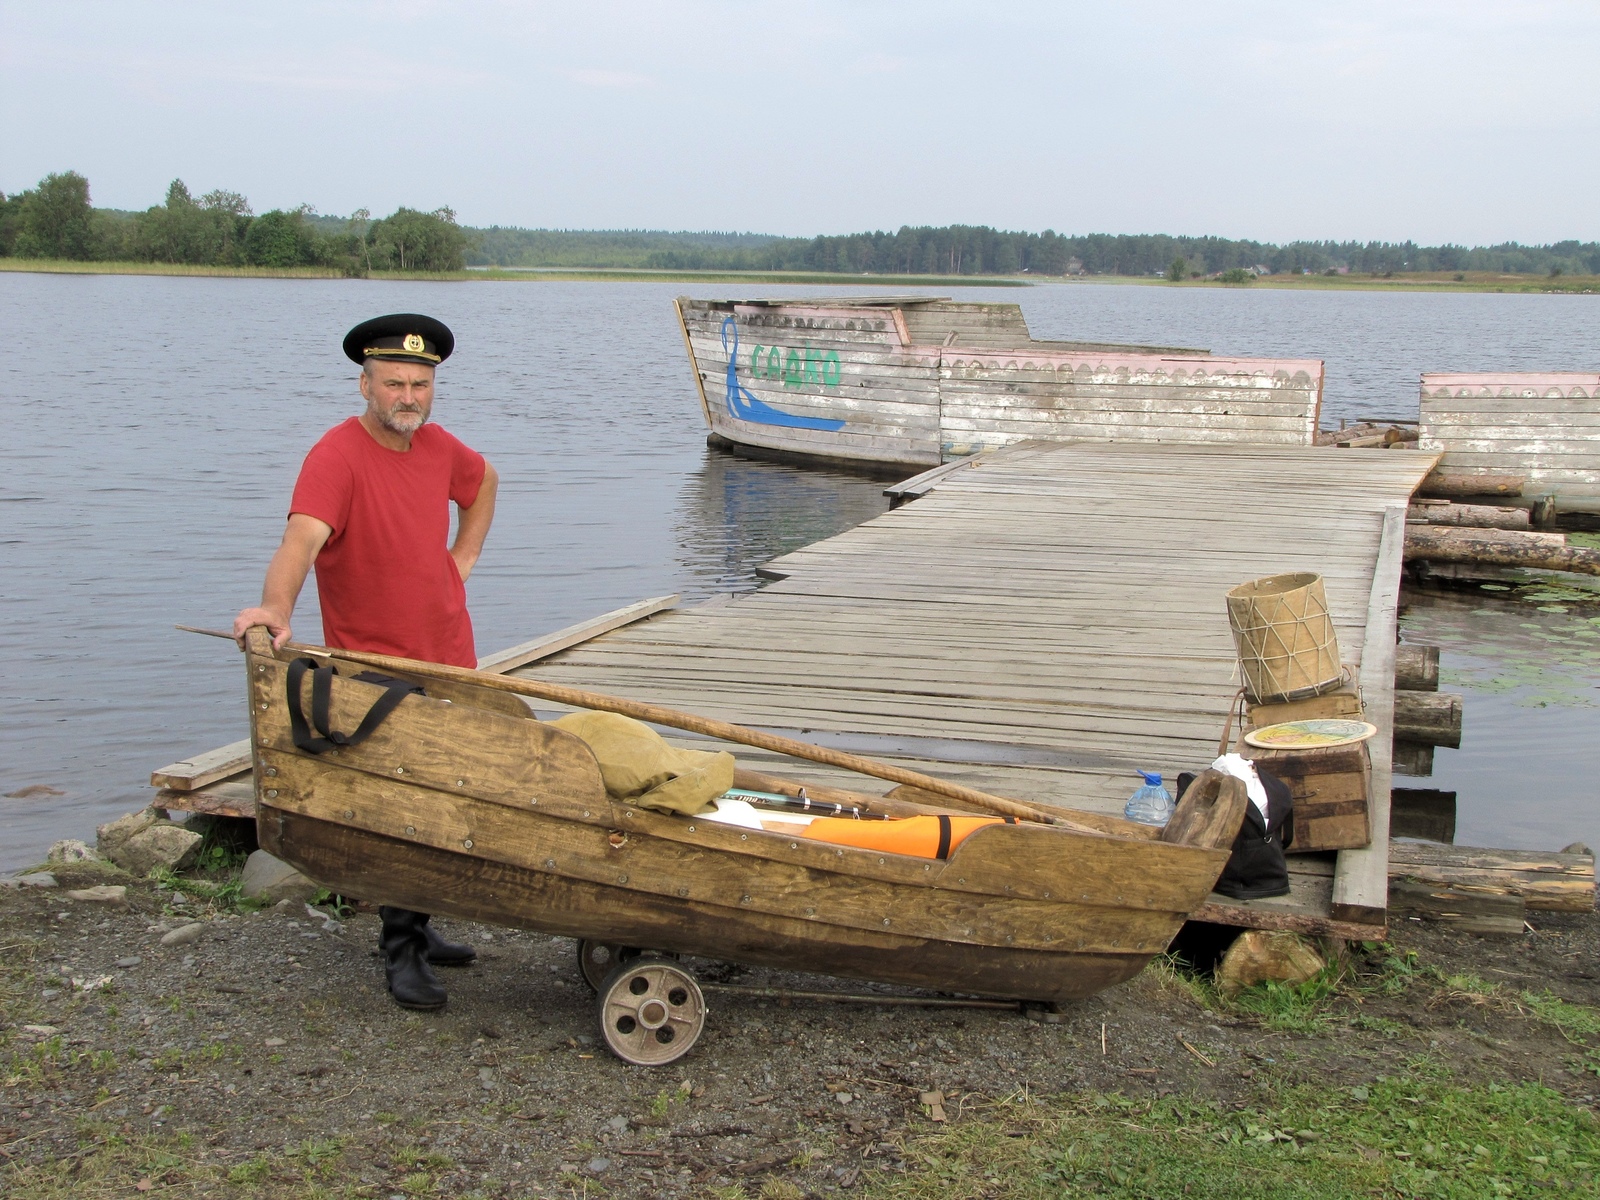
<point>71,850</point>
<point>272,881</point>
<point>37,879</point>
<point>111,836</point>
<point>169,846</point>
<point>105,893</point>
<point>143,841</point>
<point>183,934</point>
<point>1260,955</point>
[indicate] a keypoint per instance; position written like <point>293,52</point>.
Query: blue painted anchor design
<point>743,404</point>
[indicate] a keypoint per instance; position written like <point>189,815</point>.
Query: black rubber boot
<point>446,954</point>
<point>405,949</point>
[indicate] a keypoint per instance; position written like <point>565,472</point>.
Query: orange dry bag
<point>920,837</point>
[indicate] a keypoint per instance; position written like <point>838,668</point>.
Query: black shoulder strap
<point>316,737</point>
<point>944,838</point>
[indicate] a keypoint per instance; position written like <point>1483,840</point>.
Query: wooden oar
<point>660,715</point>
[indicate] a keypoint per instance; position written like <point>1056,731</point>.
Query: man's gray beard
<point>388,421</point>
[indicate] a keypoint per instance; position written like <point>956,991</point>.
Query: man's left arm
<point>474,524</point>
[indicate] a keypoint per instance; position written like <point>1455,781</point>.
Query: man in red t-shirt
<point>371,510</point>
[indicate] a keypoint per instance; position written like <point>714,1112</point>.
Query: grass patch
<point>53,266</point>
<point>1577,1022</point>
<point>60,266</point>
<point>109,1163</point>
<point>1295,1008</point>
<point>220,894</point>
<point>1396,1137</point>
<point>1377,969</point>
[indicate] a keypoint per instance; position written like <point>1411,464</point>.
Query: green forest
<point>55,219</point>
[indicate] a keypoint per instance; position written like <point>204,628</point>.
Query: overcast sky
<point>1462,121</point>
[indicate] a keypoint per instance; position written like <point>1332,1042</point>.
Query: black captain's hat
<point>400,337</point>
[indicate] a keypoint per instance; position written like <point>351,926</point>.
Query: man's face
<point>399,395</point>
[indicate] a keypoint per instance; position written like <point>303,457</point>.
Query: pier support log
<point>1478,516</point>
<point>1456,486</point>
<point>1501,548</point>
<point>1430,717</point>
<point>1416,668</point>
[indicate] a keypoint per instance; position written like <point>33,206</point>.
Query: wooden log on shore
<point>1433,718</point>
<point>1477,516</point>
<point>1501,548</point>
<point>1470,908</point>
<point>1548,881</point>
<point>1416,668</point>
<point>1455,486</point>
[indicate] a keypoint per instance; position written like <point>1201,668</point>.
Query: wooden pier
<point>1040,621</point>
<point>1047,620</point>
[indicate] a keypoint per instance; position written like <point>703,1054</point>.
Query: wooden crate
<point>1344,703</point>
<point>1330,789</point>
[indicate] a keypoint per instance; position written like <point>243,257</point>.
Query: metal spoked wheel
<point>651,1011</point>
<point>596,960</point>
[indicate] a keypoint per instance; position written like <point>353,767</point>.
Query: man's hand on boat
<point>274,622</point>
<point>303,539</point>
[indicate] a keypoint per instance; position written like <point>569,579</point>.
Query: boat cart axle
<point>652,1009</point>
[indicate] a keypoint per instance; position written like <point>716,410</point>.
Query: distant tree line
<point>979,250</point>
<point>56,220</point>
<point>501,246</point>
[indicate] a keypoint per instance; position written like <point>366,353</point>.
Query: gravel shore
<point>264,1044</point>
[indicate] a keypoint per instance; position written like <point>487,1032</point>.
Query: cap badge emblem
<point>413,343</point>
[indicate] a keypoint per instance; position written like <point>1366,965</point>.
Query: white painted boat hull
<point>916,381</point>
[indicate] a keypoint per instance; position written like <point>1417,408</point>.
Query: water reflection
<point>1525,775</point>
<point>738,513</point>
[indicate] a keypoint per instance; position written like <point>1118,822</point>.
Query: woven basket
<point>1287,646</point>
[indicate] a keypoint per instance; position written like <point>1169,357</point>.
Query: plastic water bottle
<point>1151,804</point>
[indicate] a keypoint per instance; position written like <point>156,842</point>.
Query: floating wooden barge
<point>920,380</point>
<point>1540,428</point>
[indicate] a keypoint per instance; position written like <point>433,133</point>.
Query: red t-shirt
<point>385,577</point>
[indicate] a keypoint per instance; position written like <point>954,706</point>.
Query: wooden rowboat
<point>460,803</point>
<point>921,380</point>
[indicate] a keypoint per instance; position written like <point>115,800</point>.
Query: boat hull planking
<point>916,381</point>
<point>484,813</point>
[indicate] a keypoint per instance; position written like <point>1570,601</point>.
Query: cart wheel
<point>596,960</point>
<point>651,1011</point>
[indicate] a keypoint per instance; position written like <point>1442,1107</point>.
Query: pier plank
<point>1044,622</point>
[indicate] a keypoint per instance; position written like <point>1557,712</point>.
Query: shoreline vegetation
<point>1418,282</point>
<point>53,227</point>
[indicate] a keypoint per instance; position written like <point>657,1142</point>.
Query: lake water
<point>155,427</point>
